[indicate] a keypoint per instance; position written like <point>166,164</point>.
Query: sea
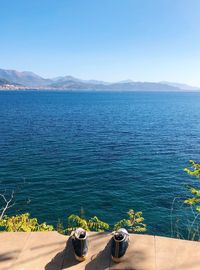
<point>99,153</point>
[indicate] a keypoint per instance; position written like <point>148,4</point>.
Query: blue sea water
<point>103,152</point>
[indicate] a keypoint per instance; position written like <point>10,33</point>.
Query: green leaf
<point>23,223</point>
<point>96,224</point>
<point>198,208</point>
<point>133,223</point>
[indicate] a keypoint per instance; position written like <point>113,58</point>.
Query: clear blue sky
<point>144,40</point>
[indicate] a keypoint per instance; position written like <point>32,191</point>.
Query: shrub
<point>97,225</point>
<point>60,227</point>
<point>190,225</point>
<point>93,224</point>
<point>74,221</point>
<point>23,223</point>
<point>195,199</point>
<point>134,222</point>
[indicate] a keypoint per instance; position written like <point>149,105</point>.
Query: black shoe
<point>80,244</point>
<point>119,244</point>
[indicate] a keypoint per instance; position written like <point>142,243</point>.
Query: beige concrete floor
<point>52,251</point>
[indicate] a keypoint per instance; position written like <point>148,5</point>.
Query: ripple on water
<point>103,152</point>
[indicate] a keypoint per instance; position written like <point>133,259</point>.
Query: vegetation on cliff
<point>191,207</point>
<point>24,223</point>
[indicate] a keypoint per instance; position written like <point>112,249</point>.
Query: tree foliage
<point>134,222</point>
<point>93,224</point>
<point>74,221</point>
<point>194,170</point>
<point>97,225</point>
<point>60,228</point>
<point>194,200</point>
<point>23,223</point>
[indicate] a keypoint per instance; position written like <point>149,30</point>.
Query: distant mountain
<point>30,80</point>
<point>73,79</point>
<point>64,79</point>
<point>129,86</point>
<point>3,81</point>
<point>26,78</point>
<point>126,81</point>
<point>6,85</point>
<point>181,86</point>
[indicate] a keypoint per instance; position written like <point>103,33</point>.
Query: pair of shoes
<point>119,244</point>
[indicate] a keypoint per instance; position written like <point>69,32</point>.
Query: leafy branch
<point>134,222</point>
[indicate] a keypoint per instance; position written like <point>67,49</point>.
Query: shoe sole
<point>117,260</point>
<point>80,259</point>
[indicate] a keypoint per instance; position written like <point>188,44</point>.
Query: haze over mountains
<point>25,78</point>
<point>12,79</point>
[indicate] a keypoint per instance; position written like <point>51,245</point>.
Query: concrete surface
<point>53,251</point>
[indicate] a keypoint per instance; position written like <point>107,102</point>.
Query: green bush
<point>74,221</point>
<point>97,225</point>
<point>191,229</point>
<point>60,228</point>
<point>194,170</point>
<point>195,192</point>
<point>23,223</point>
<point>134,222</point>
<point>93,224</point>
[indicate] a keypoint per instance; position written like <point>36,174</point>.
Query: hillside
<point>130,86</point>
<point>30,80</point>
<point>7,85</point>
<point>25,78</point>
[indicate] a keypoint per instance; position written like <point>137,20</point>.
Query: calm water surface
<point>104,152</point>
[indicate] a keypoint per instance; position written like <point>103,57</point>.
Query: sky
<point>111,40</point>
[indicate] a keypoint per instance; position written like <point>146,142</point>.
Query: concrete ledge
<point>53,251</point>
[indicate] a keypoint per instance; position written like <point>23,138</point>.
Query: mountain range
<point>12,80</point>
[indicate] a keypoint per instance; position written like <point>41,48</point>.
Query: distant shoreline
<point>96,91</point>
<point>16,80</point>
